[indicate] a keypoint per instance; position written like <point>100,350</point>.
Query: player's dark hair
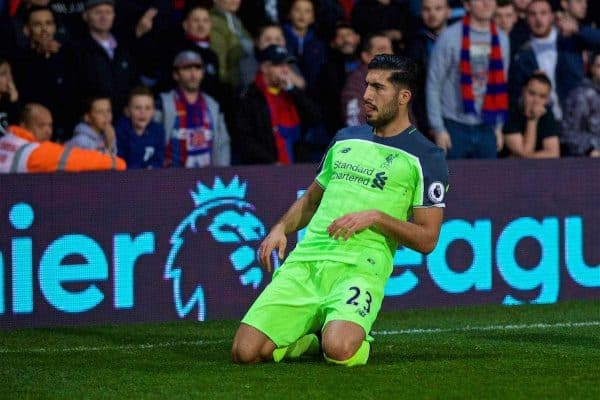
<point>404,70</point>
<point>193,6</point>
<point>540,1</point>
<point>139,91</point>
<point>539,77</point>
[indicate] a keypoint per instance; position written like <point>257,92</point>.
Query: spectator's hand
<point>48,47</point>
<point>534,113</point>
<point>145,23</point>
<point>109,138</point>
<point>11,88</point>
<point>443,140</point>
<point>499,139</point>
<point>595,153</point>
<point>297,80</point>
<point>276,239</point>
<point>567,25</point>
<point>395,35</point>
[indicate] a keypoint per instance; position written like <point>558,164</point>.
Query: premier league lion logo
<point>222,217</point>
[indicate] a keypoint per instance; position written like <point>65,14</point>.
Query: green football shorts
<point>304,296</point>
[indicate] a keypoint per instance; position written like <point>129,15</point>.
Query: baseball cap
<point>93,3</point>
<point>187,58</point>
<point>275,54</point>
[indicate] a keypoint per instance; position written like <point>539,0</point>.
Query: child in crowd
<point>140,140</point>
<point>96,131</point>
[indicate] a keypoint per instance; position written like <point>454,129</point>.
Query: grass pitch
<point>528,352</point>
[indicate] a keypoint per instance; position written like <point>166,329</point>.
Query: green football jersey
<point>363,171</point>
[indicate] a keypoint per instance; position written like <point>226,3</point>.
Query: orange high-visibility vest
<point>21,152</point>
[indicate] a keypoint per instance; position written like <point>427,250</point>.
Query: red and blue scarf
<point>495,102</point>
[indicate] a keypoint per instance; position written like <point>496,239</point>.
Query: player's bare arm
<point>296,218</point>
<point>421,234</point>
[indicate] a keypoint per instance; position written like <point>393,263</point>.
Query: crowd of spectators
<point>194,83</point>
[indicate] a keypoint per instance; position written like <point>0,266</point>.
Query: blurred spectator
<point>327,15</point>
<point>531,130</point>
<point>71,26</point>
<point>26,148</point>
<point>42,71</point>
<point>196,134</point>
<point>103,65</point>
<point>303,44</point>
<point>581,124</point>
<point>268,35</point>
<point>258,13</point>
<point>560,57</point>
<point>16,39</point>
<point>520,32</point>
<point>342,60</point>
<point>197,27</point>
<point>96,131</point>
<point>140,140</point>
<point>271,113</point>
<point>231,41</point>
<point>148,28</point>
<point>570,21</point>
<point>466,87</point>
<point>353,112</point>
<point>506,15</point>
<point>434,15</point>
<point>9,97</point>
<point>388,16</point>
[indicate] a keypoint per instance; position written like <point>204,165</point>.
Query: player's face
<point>269,36</point>
<point>100,116</point>
<point>41,27</point>
<point>540,19</point>
<point>189,77</point>
<point>435,14</point>
<point>198,23</point>
<point>506,17</point>
<point>381,99</point>
<point>482,10</point>
<point>100,18</point>
<point>346,40</point>
<point>536,94</point>
<point>141,111</point>
<point>302,14</point>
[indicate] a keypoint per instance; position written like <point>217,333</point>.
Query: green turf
<point>191,360</point>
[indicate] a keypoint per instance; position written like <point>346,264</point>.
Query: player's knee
<point>244,354</point>
<point>340,350</point>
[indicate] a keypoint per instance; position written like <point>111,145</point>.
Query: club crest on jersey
<point>436,192</point>
<point>388,161</point>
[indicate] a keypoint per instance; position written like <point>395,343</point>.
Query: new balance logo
<point>345,150</point>
<point>379,180</point>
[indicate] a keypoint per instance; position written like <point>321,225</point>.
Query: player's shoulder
<point>364,132</point>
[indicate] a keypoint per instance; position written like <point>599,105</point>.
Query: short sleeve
<point>324,169</point>
<point>514,123</point>
<point>434,185</point>
<point>548,126</point>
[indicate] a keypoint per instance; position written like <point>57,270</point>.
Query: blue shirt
<point>140,151</point>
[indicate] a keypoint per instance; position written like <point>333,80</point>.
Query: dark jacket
<point>569,66</point>
<point>97,74</point>
<point>252,139</point>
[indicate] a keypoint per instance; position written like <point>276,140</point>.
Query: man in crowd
<point>196,132</point>
<point>26,148</point>
<point>581,123</point>
<point>272,113</point>
<point>531,130</point>
<point>467,100</point>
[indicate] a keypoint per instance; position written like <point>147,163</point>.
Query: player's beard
<point>386,114</point>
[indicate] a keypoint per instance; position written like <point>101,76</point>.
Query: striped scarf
<point>495,103</point>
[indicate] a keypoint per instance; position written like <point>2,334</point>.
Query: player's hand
<point>146,23</point>
<point>443,140</point>
<point>351,223</point>
<point>276,239</point>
